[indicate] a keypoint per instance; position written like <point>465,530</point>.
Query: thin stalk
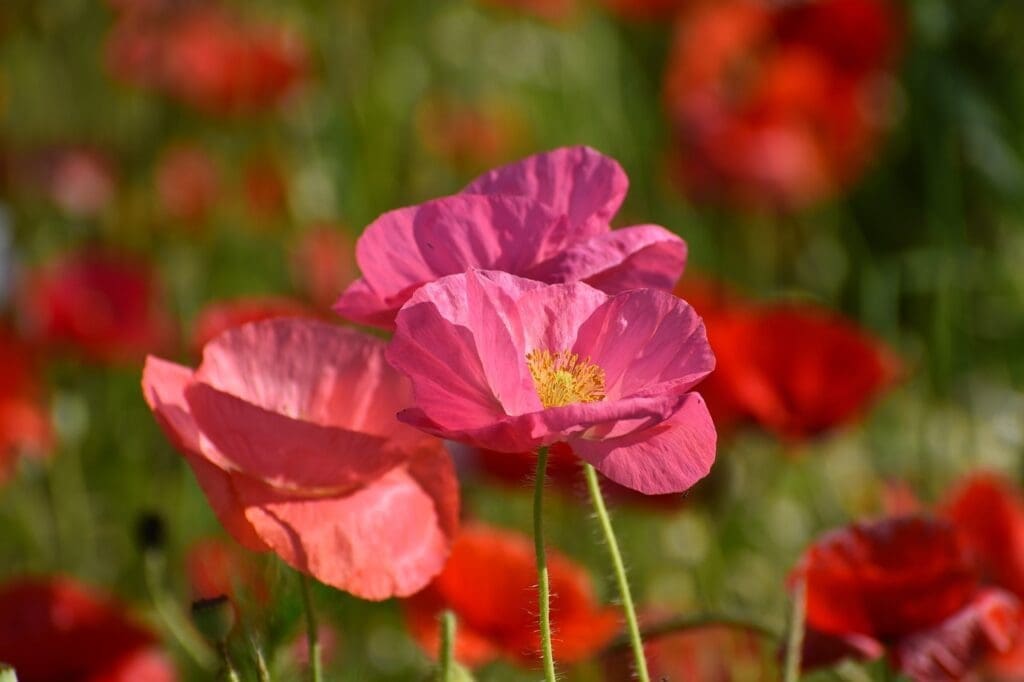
<point>175,622</point>
<point>446,656</point>
<point>543,596</point>
<point>795,640</point>
<point>620,572</point>
<point>312,634</point>
<point>229,669</point>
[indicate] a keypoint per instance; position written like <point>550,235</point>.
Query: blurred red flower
<point>187,182</point>
<point>714,653</point>
<point>207,59</point>
<point>988,513</point>
<point>324,263</point>
<point>778,105</point>
<point>809,370</point>
<point>218,567</point>
<point>80,180</point>
<point>264,187</point>
<point>220,316</point>
<point>107,306</point>
<point>55,630</point>
<point>24,421</point>
<point>469,136</point>
<point>906,585</point>
<point>489,583</point>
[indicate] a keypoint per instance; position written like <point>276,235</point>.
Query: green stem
<point>620,572</point>
<point>229,670</point>
<point>447,653</point>
<point>795,640</point>
<point>312,634</point>
<point>543,597</point>
<point>175,622</point>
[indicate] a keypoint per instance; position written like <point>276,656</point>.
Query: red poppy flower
<point>323,264</point>
<point>187,182</point>
<point>715,653</point>
<point>220,316</point>
<point>55,630</point>
<point>490,582</point>
<point>104,305</point>
<point>217,567</point>
<point>809,370</point>
<point>778,104</point>
<point>989,515</point>
<point>207,59</point>
<point>470,136</point>
<point>904,584</point>
<point>24,423</point>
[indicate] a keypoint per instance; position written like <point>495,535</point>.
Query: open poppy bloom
<point>54,630</point>
<point>988,513</point>
<point>220,316</point>
<point>24,422</point>
<point>106,306</point>
<point>903,585</point>
<point>289,427</point>
<point>510,364</point>
<point>778,105</point>
<point>809,371</point>
<point>545,218</point>
<point>490,582</point>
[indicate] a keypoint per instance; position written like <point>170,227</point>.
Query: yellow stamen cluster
<point>563,379</point>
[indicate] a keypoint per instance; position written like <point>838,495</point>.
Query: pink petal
<point>647,342</point>
<point>408,247</point>
<point>381,541</point>
<point>284,452</point>
<point>576,181</point>
<point>163,385</point>
<point>667,458</point>
<point>309,370</point>
<point>640,257</point>
<point>552,315</point>
<point>950,650</point>
<point>360,304</point>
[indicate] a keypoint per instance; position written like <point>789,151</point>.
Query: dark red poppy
<point>798,370</point>
<point>106,306</point>
<point>988,513</point>
<point>207,59</point>
<point>906,585</point>
<point>490,583</point>
<point>324,263</point>
<point>778,105</point>
<point>187,182</point>
<point>223,315</point>
<point>55,630</point>
<point>24,422</point>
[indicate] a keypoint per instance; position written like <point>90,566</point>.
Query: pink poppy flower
<point>545,217</point>
<point>289,427</point>
<point>510,364</point>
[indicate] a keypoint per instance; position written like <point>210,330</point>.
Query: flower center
<point>563,379</point>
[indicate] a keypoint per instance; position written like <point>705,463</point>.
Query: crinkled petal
<point>646,342</point>
<point>951,649</point>
<point>579,182</point>
<point>163,385</point>
<point>667,458</point>
<point>310,370</point>
<point>639,257</point>
<point>284,452</point>
<point>383,540</point>
<point>552,315</point>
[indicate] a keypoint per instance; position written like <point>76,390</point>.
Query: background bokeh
<point>158,156</point>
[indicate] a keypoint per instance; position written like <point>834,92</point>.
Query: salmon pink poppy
<point>289,427</point>
<point>778,105</point>
<point>106,306</point>
<point>545,218</point>
<point>511,364</point>
<point>220,316</point>
<point>906,585</point>
<point>490,584</point>
<point>24,422</point>
<point>54,629</point>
